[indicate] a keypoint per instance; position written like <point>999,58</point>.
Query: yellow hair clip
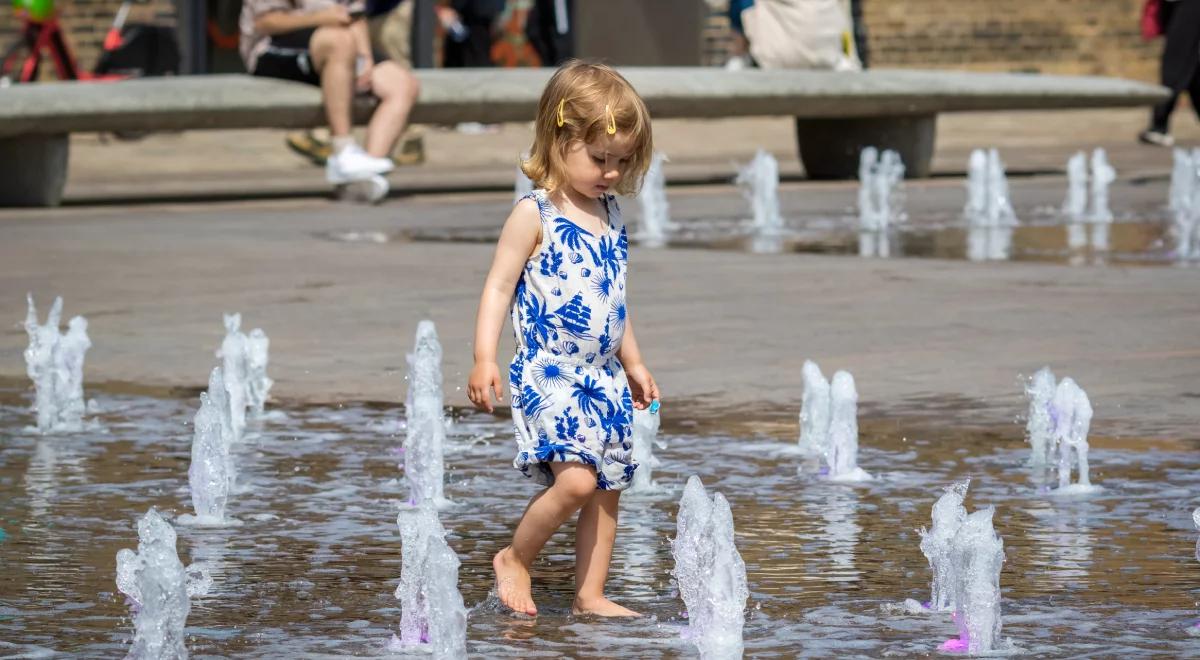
<point>612,121</point>
<point>561,119</point>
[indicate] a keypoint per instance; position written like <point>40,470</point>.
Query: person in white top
<point>325,43</point>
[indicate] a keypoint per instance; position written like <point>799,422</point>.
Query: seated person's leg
<point>397,89</point>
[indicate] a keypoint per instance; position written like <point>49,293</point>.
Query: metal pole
<point>191,17</point>
<point>424,26</point>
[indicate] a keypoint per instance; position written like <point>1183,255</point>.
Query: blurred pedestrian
<point>800,34</point>
<point>1179,20</point>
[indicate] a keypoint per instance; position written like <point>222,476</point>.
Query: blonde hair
<point>582,101</point>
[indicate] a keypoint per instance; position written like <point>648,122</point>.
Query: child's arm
<point>520,237</point>
<point>641,383</point>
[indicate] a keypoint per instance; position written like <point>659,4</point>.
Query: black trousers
<point>1180,59</point>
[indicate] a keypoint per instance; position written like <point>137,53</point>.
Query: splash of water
<point>977,554</point>
<point>656,212</point>
<point>1039,425</point>
<point>814,411</point>
<point>1072,413</point>
<point>423,446</point>
<point>158,588</point>
<point>645,436</point>
<point>432,615</point>
<point>759,181</point>
<point>208,476</point>
<point>1196,522</point>
<point>258,384</point>
<point>989,212</point>
<point>233,355</point>
<point>710,573</point>
<point>842,455</point>
<point>880,201</point>
<point>1184,203</point>
<point>54,362</point>
<point>948,515</point>
<point>1103,174</point>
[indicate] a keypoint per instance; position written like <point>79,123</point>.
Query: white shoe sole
<point>371,190</point>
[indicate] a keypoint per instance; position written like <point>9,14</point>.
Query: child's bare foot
<point>600,607</point>
<point>512,583</point>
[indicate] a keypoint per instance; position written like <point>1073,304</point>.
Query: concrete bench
<point>837,114</point>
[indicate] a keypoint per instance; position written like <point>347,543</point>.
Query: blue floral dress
<point>570,398</point>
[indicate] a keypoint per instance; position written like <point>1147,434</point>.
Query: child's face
<point>595,167</point>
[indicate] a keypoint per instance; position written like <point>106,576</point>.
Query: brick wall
<point>86,22</point>
<point>1094,37</point>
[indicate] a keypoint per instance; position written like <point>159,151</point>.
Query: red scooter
<point>128,51</point>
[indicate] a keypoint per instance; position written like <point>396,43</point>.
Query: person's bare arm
<point>521,234</point>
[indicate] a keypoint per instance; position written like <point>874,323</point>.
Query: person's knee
<point>394,81</point>
<point>576,482</point>
<point>335,43</point>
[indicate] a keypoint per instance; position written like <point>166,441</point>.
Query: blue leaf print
<point>605,341</point>
<point>610,256</point>
<point>548,373</point>
<point>589,395</point>
<point>532,402</point>
<point>575,317</point>
<point>551,260</point>
<point>566,426</point>
<point>613,420</point>
<point>514,373</point>
<point>572,235</point>
<point>623,244</point>
<point>549,451</point>
<point>539,323</point>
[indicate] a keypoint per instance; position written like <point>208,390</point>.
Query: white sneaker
<point>354,164</point>
<point>371,190</point>
<point>1156,138</point>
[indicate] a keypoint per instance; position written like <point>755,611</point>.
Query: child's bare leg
<point>594,535</point>
<point>574,485</point>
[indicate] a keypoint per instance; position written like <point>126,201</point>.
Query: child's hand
<point>641,386</point>
<point>483,381</point>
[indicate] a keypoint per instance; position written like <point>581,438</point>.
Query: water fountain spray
<point>710,573</point>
